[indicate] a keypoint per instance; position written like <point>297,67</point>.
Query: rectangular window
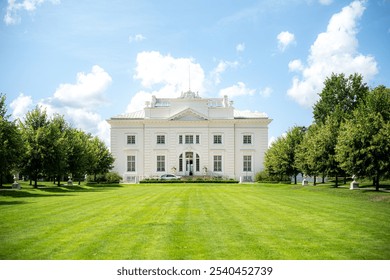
<point>131,139</point>
<point>189,139</point>
<point>247,139</point>
<point>217,163</point>
<point>197,139</point>
<point>217,139</point>
<point>247,163</point>
<point>160,139</point>
<point>131,163</point>
<point>180,139</point>
<point>160,163</point>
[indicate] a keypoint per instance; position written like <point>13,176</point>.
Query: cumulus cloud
<point>164,76</point>
<point>240,89</point>
<point>285,39</point>
<point>222,67</point>
<point>295,65</point>
<point>335,50</point>
<point>240,47</point>
<point>88,91</point>
<point>20,106</point>
<point>14,7</point>
<point>79,101</point>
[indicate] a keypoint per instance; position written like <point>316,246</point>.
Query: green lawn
<point>194,221</point>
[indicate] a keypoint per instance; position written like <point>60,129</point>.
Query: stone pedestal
<point>16,186</point>
<point>305,182</point>
<point>70,182</point>
<point>354,185</point>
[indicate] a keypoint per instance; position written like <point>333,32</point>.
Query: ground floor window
<point>160,163</point>
<point>131,163</point>
<point>247,163</point>
<point>217,163</point>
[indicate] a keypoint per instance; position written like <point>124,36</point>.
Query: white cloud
<point>295,65</point>
<point>20,106</point>
<point>78,102</point>
<point>240,47</point>
<point>154,69</point>
<point>137,38</point>
<point>239,89</point>
<point>88,91</point>
<point>15,7</point>
<point>325,2</point>
<point>164,76</point>
<point>333,51</point>
<point>285,39</point>
<point>222,67</point>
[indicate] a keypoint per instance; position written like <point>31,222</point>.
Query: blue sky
<point>91,60</point>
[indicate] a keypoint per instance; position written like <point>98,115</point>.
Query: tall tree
<point>363,145</point>
<point>339,97</point>
<point>101,158</point>
<point>280,157</point>
<point>11,144</point>
<point>58,145</point>
<point>79,156</point>
<point>36,134</point>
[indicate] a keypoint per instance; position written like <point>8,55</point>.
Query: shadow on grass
<point>49,191</point>
<point>12,202</point>
<point>79,188</point>
<point>20,193</point>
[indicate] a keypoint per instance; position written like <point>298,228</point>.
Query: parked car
<point>169,177</point>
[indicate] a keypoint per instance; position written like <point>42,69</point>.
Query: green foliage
<point>339,97</point>
<point>363,146</point>
<point>197,180</point>
<point>11,144</point>
<point>280,158</point>
<point>265,177</point>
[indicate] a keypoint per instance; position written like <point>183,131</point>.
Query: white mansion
<point>189,136</point>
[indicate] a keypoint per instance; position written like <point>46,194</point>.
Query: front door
<point>189,163</point>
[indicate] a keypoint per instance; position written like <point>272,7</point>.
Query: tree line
<point>48,147</point>
<point>350,135</point>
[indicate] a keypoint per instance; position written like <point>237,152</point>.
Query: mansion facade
<point>189,136</point>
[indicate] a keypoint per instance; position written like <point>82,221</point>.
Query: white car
<point>169,177</point>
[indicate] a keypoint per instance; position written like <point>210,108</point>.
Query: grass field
<point>193,221</point>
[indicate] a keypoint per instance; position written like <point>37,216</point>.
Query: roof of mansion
<point>190,104</point>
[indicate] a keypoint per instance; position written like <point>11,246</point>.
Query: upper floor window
<point>180,139</point>
<point>197,139</point>
<point>160,139</point>
<point>247,139</point>
<point>189,139</point>
<point>218,139</point>
<point>131,139</point>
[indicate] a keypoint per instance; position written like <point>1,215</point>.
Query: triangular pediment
<point>188,115</point>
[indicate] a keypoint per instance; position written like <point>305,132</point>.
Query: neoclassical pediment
<point>188,115</point>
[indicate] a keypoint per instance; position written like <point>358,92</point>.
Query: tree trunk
<point>59,181</point>
<point>315,181</point>
<point>377,183</point>
<point>295,179</point>
<point>345,179</point>
<point>323,178</point>
<point>1,179</point>
<point>337,181</point>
